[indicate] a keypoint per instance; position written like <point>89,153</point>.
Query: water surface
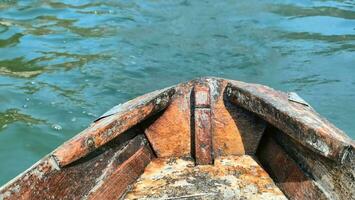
<point>63,63</point>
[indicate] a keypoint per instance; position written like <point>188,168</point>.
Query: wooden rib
<point>298,121</point>
<point>235,131</point>
<point>114,186</point>
<point>286,173</point>
<point>170,134</point>
<point>203,137</point>
<point>107,128</point>
<point>202,116</point>
<point>45,181</point>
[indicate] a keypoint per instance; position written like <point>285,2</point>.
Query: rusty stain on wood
<point>231,177</point>
<point>202,125</point>
<point>170,134</point>
<point>235,131</point>
<point>110,127</point>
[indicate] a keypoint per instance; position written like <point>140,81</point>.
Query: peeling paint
<point>231,177</point>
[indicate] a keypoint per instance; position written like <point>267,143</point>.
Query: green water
<point>64,63</point>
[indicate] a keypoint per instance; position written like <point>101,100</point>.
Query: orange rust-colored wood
<point>111,126</point>
<point>231,177</point>
<point>286,173</point>
<point>235,131</point>
<point>117,184</point>
<point>226,136</point>
<point>170,134</point>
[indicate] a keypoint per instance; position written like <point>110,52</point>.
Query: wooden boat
<point>209,138</point>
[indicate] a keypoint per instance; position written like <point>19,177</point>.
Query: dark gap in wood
<point>192,123</point>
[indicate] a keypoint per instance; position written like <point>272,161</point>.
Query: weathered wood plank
<point>46,181</point>
<point>286,173</point>
<point>298,121</point>
<point>336,180</point>
<point>202,95</point>
<point>231,177</point>
<point>116,184</point>
<point>202,125</point>
<point>170,134</point>
<point>203,137</point>
<point>235,131</point>
<point>109,127</point>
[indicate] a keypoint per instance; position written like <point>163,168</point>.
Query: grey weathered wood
<point>300,122</point>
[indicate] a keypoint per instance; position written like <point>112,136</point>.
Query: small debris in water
<point>25,106</point>
<point>27,99</point>
<point>73,119</point>
<point>57,127</point>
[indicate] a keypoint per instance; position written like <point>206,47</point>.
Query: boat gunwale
<point>340,143</point>
<point>314,132</point>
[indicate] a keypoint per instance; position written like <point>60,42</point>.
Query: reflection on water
<point>20,68</point>
<point>308,81</point>
<point>13,115</point>
<point>344,10</point>
<point>13,40</point>
<point>64,63</point>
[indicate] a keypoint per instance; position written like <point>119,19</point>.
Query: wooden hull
<point>205,139</point>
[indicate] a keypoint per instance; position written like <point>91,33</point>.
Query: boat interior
<point>205,139</point>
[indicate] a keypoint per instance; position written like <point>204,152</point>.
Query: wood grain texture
<point>203,137</point>
<point>107,128</point>
<point>170,134</point>
<point>300,122</point>
<point>202,124</point>
<point>116,184</point>
<point>235,131</point>
<point>336,180</point>
<point>45,181</point>
<point>230,178</point>
<point>202,97</point>
<point>286,173</point>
